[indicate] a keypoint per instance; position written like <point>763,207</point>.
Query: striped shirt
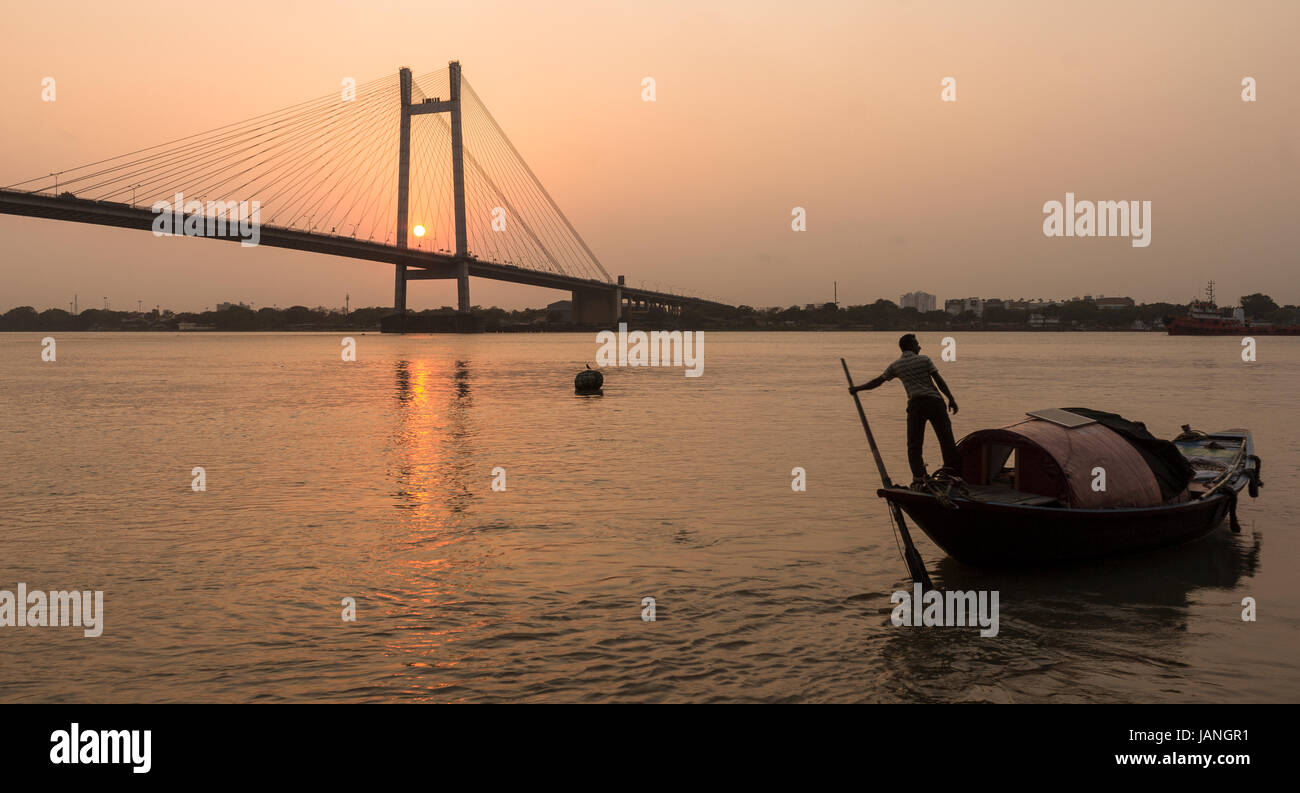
<point>914,370</point>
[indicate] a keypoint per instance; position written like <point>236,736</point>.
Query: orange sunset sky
<point>761,107</point>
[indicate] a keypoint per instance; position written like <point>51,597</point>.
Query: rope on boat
<point>1230,493</point>
<point>1208,464</point>
<point>942,485</point>
<point>898,543</point>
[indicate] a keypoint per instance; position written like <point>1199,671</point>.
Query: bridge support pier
<point>410,108</point>
<point>595,307</point>
<point>403,191</point>
<point>458,189</point>
<point>462,287</point>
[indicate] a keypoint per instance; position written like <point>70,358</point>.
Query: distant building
<point>1042,321</point>
<point>1115,302</point>
<point>995,302</point>
<point>225,306</point>
<point>562,307</point>
<point>921,301</point>
<point>961,305</point>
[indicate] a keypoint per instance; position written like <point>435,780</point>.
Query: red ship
<point>1204,318</point>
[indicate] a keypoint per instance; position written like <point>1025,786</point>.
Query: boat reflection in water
<point>1132,612</point>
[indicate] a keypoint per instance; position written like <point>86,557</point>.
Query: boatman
<point>924,403</point>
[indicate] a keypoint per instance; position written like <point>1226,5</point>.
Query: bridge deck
<point>112,213</point>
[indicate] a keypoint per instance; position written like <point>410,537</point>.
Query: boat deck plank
<point>1007,495</point>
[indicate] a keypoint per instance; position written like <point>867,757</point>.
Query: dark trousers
<point>933,410</point>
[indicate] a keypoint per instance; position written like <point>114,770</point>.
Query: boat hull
<point>1239,330</point>
<point>985,534</point>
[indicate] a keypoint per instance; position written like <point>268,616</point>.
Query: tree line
<point>234,318</point>
<point>880,315</point>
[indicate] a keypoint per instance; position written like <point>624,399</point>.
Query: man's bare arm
<point>952,402</point>
<point>867,386</point>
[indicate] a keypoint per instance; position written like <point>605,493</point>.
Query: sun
<point>419,231</point>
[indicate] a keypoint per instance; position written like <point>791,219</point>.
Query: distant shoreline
<point>1076,316</point>
<point>582,329</point>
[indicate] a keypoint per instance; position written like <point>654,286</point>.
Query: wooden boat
<point>1081,484</point>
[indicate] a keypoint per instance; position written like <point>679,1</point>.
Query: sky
<point>760,107</point>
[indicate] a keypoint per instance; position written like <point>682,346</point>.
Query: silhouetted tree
<point>21,318</point>
<point>1259,306</point>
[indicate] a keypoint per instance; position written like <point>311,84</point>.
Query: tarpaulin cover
<point>1171,469</point>
<point>1060,462</point>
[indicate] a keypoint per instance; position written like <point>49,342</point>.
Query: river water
<point>372,480</point>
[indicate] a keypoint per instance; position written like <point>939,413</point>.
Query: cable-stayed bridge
<point>412,171</point>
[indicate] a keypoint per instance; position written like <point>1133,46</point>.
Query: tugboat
<point>1205,318</point>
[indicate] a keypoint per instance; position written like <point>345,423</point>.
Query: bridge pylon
<point>452,106</point>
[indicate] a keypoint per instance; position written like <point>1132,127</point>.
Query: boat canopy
<point>1060,462</point>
